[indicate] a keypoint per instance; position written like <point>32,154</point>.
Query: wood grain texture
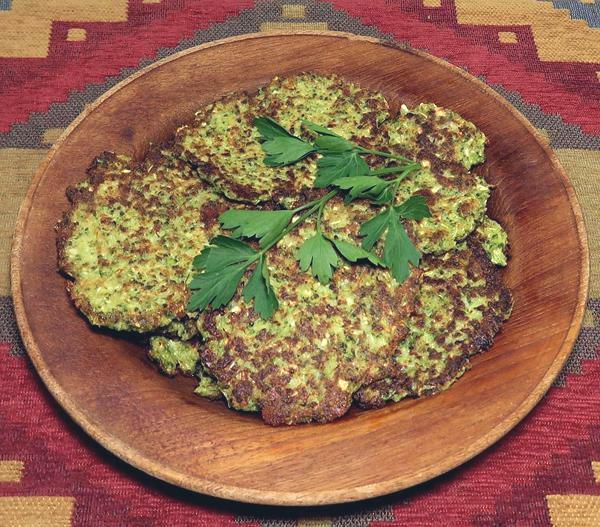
<point>159,426</point>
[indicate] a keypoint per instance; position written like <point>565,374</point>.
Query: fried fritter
<point>460,306</point>
<point>346,108</point>
<point>129,239</point>
<point>174,356</point>
<point>447,146</point>
<point>457,201</point>
<point>223,143</point>
<point>457,204</point>
<point>430,129</point>
<point>320,346</point>
<point>493,239</point>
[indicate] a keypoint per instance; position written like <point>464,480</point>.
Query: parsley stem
<point>387,170</point>
<point>384,154</point>
<point>312,206</point>
<point>396,184</point>
<point>306,205</point>
<point>319,215</point>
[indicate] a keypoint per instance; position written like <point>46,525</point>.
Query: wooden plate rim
<point>249,495</point>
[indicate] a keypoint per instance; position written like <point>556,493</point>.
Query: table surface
<point>542,56</point>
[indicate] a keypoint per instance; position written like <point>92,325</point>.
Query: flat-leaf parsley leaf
<point>281,147</point>
<point>318,255</point>
<point>264,225</point>
<point>258,288</point>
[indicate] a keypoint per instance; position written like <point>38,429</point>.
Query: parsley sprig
<point>221,265</point>
<point>224,261</point>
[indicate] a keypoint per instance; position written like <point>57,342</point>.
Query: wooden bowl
<point>157,424</point>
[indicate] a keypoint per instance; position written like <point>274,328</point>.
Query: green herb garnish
<point>224,261</point>
<point>281,147</point>
<point>398,250</point>
<point>341,165</point>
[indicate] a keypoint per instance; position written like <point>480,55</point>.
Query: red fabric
<point>31,85</point>
<point>549,453</point>
<point>60,460</point>
<point>578,77</point>
<point>447,43</point>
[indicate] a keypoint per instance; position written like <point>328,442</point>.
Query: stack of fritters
<point>321,345</point>
<point>134,227</point>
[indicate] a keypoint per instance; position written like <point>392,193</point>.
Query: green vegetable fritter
<point>344,107</point>
<point>182,329</point>
<point>207,386</point>
<point>457,201</point>
<point>431,130</point>
<point>447,146</point>
<point>224,145</point>
<point>460,306</point>
<point>129,239</point>
<point>325,341</point>
<point>493,239</point>
<point>174,356</point>
<point>457,204</point>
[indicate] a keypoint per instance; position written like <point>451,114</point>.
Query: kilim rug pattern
<point>543,56</point>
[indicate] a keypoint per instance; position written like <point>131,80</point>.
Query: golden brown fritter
<point>460,306</point>
<point>128,241</point>
<point>223,143</point>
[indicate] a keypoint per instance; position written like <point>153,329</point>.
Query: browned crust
<point>278,409</point>
<point>81,193</point>
<point>482,338</point>
<point>77,194</point>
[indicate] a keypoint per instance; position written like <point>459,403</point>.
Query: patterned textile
<point>543,56</point>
